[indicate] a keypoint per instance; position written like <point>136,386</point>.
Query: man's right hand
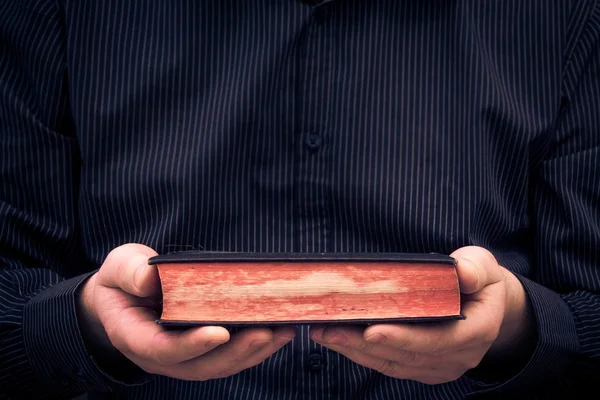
<point>116,311</point>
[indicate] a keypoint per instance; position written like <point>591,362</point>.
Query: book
<point>233,289</point>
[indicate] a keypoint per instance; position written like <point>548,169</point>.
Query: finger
<point>352,337</point>
<point>126,268</point>
<point>135,333</point>
<point>341,335</point>
<point>421,367</point>
<point>484,314</point>
<point>423,338</point>
<point>476,267</point>
<point>384,366</point>
<point>245,350</point>
<point>479,328</point>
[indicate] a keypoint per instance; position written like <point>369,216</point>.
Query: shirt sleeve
<point>564,288</point>
<point>42,354</point>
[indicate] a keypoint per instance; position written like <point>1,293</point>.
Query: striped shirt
<point>290,126</point>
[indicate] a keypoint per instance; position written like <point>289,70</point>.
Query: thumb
<point>126,268</point>
<point>476,268</point>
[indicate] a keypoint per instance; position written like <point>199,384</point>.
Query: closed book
<point>233,289</point>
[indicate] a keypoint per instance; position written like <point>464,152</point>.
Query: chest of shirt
<point>343,106</point>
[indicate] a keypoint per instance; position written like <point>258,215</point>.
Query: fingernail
<point>376,338</point>
<point>338,338</point>
<point>287,337</point>
<point>283,339</point>
<point>258,344</point>
<point>475,272</point>
<point>137,277</point>
<point>317,334</point>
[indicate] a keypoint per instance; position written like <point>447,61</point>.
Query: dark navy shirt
<point>290,126</point>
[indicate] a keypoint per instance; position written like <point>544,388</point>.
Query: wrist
<point>98,345</point>
<point>94,336</point>
<point>516,339</point>
<point>518,326</point>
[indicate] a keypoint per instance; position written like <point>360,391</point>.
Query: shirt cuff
<point>55,346</point>
<point>557,341</point>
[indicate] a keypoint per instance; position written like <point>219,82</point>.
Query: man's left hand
<point>497,321</point>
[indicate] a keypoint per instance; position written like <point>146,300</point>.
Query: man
<point>135,128</point>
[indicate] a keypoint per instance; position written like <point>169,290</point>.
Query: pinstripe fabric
<point>282,126</point>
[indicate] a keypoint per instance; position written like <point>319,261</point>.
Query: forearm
<point>40,354</point>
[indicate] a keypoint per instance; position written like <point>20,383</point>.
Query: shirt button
<point>315,362</point>
<point>313,141</point>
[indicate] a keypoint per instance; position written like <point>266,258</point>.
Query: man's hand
<point>116,311</point>
<point>497,320</point>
